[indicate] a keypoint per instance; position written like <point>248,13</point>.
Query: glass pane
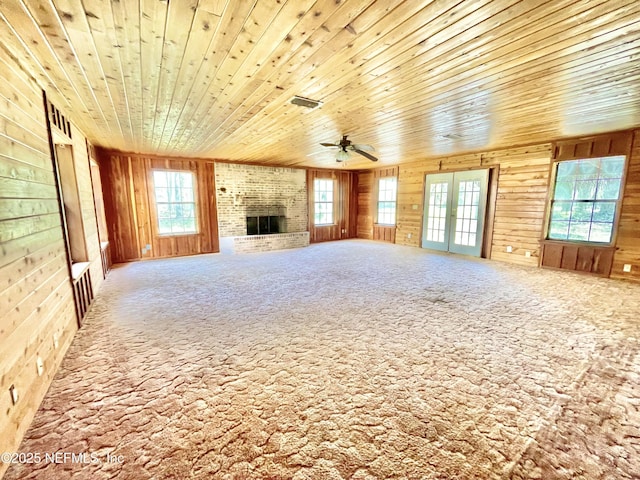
<point>609,189</point>
<point>561,211</point>
<point>164,225</point>
<point>579,231</point>
<point>188,210</point>
<point>162,195</point>
<point>604,212</point>
<point>588,169</point>
<point>601,232</point>
<point>163,210</point>
<point>187,195</point>
<point>559,229</point>
<point>566,169</point>
<point>564,191</point>
<point>581,212</point>
<point>189,224</point>
<point>612,167</point>
<point>585,189</point>
<point>187,180</point>
<point>160,179</point>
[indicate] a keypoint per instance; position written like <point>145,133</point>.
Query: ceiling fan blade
<point>365,154</point>
<point>364,146</point>
<point>329,144</point>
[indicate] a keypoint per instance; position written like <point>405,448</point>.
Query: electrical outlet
<point>509,249</point>
<point>414,206</point>
<point>40,366</point>
<point>14,394</point>
<point>408,235</point>
<point>148,247</point>
<point>527,254</point>
<point>626,268</point>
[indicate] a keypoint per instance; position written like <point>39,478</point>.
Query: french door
<point>454,209</point>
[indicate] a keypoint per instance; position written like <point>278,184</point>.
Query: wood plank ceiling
<point>213,78</point>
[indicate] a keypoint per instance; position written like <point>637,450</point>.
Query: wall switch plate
<point>509,249</point>
<point>148,246</point>
<point>527,254</point>
<point>408,235</point>
<point>39,366</point>
<point>14,394</point>
<point>626,268</point>
<point>414,206</point>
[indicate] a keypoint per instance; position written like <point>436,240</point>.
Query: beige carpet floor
<point>347,360</point>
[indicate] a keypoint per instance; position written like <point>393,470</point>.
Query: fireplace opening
<point>266,221</point>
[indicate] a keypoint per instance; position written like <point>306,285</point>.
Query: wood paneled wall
<point>520,200</point>
<point>367,191</point>
<point>364,191</point>
<point>37,315</point>
<point>628,238</point>
<point>131,217</point>
<point>345,211</point>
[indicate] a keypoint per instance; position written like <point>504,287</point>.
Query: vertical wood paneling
<point>35,289</point>
<point>628,238</point>
<point>130,207</point>
<point>345,208</point>
<point>367,185</point>
<point>116,182</point>
<point>365,204</point>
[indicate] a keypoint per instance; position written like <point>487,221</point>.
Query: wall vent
<point>305,102</point>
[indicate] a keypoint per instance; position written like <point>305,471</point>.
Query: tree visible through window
<point>585,199</point>
<point>387,190</point>
<point>323,201</point>
<point>175,202</point>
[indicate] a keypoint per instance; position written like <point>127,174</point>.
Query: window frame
<point>551,198</point>
<point>156,203</point>
<point>332,210</point>
<point>394,201</point>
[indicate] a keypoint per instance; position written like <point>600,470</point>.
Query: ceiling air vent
<point>305,102</point>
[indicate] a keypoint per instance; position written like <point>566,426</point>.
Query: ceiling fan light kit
<point>342,156</point>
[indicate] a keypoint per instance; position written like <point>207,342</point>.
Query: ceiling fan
<point>345,146</point>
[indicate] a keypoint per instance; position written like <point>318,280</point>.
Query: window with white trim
<point>175,202</point>
<point>323,201</point>
<point>387,194</point>
<point>586,196</point>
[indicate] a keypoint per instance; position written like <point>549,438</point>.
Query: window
<point>175,202</point>
<point>387,189</point>
<point>585,198</point>
<point>323,201</point>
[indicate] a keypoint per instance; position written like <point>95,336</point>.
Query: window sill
<point>325,224</point>
<point>387,225</point>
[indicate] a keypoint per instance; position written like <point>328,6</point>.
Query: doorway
<point>454,211</point>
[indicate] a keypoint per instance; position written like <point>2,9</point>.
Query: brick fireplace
<point>261,208</point>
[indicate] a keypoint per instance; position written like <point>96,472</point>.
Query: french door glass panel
<point>454,211</point>
<point>437,199</point>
